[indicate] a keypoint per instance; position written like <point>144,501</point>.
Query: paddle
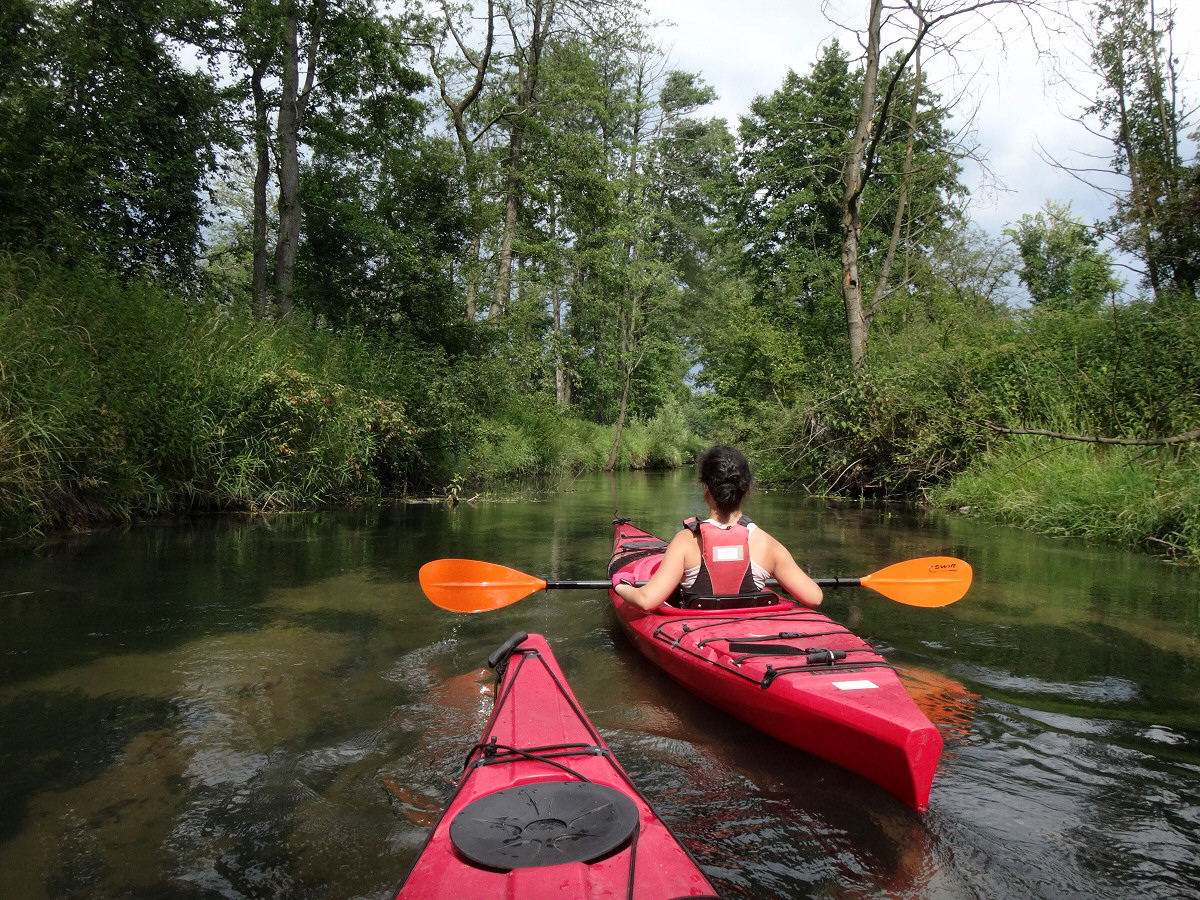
<point>471,586</point>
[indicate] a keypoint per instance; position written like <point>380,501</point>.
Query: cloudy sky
<point>744,48</point>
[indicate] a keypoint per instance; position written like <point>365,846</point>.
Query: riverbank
<point>1126,495</point>
<point>121,401</point>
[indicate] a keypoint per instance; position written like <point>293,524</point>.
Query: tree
<point>294,58</point>
<point>918,22</point>
<point>105,139</point>
<point>790,199</point>
<point>785,208</point>
<point>384,216</point>
<point>674,156</point>
<point>475,65</point>
<point>1155,218</point>
<point>1061,265</point>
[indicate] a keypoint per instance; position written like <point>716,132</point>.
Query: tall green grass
<point>536,439</point>
<point>119,400</point>
<point>1128,495</point>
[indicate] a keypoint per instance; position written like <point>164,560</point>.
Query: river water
<point>269,708</point>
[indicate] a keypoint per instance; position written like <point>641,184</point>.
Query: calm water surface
<point>271,709</point>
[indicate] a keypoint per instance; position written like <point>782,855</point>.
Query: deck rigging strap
<point>493,752</point>
<point>815,656</point>
<point>749,639</point>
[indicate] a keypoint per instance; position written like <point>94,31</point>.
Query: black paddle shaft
<point>832,582</point>
<point>601,585</point>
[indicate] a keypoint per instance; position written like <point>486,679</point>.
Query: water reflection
<point>269,708</point>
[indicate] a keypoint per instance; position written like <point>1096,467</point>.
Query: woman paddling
<point>726,557</point>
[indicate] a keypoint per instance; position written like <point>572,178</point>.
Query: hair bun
<point>725,471</point>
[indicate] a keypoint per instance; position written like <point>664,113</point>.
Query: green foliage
<point>315,440</point>
<point>785,205</point>
<point>537,440</point>
<point>105,140</point>
<point>377,239</point>
<point>1138,105</point>
<point>951,361</point>
<point>121,400</point>
<point>1062,267</point>
<point>638,253</point>
<point>1131,495</point>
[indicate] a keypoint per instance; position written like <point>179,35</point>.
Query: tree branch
<point>1093,439</point>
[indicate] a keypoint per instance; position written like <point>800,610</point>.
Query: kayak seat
<point>726,601</point>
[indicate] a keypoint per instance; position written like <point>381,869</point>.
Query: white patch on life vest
<point>854,685</point>
<point>727,554</point>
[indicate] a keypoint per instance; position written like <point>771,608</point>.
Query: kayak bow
<point>544,809</point>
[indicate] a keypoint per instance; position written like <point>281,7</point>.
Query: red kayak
<point>789,671</point>
<point>544,809</point>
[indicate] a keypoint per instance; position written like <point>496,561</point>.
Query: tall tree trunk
<point>529,56</point>
<point>616,447</point>
<point>292,102</point>
<point>458,110</point>
<point>512,182</point>
<point>288,239</point>
<point>636,196</point>
<point>906,175</point>
<point>853,185</point>
<point>561,395</point>
<point>472,273</point>
<point>262,174</point>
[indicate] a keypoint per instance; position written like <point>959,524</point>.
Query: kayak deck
<point>789,671</point>
<point>544,809</point>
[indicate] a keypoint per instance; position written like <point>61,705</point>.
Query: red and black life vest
<point>725,579</point>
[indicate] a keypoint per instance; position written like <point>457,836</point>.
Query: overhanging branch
<point>1095,439</point>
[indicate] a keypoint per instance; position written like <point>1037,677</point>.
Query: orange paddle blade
<point>930,581</point>
<point>471,586</point>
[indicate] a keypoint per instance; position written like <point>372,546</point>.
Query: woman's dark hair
<point>726,473</point>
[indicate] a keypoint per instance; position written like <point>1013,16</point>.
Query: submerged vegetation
<point>288,287</point>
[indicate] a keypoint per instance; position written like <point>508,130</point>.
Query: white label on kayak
<point>727,554</point>
<point>854,685</point>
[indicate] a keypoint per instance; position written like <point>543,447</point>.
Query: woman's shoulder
<point>762,540</point>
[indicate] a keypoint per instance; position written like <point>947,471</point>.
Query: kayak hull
<point>541,789</point>
<point>789,671</point>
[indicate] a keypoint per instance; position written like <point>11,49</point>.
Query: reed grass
<point>1128,495</point>
<point>120,400</point>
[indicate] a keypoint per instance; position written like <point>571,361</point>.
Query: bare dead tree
<point>941,26</point>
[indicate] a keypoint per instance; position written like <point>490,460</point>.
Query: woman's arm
<point>777,559</point>
<point>666,577</point>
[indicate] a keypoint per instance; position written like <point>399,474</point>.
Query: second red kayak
<point>790,672</point>
<point>544,809</point>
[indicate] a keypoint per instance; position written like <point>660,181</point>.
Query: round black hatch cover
<point>544,824</point>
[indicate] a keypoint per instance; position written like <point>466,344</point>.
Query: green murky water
<point>270,708</point>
